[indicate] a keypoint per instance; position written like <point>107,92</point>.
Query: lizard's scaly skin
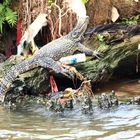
<point>49,54</point>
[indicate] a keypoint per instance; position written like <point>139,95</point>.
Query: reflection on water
<point>34,122</point>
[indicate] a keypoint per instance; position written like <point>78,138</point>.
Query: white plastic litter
<point>73,59</point>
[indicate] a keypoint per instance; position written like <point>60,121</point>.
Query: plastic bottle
<point>73,59</point>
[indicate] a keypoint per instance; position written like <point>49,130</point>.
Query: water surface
<point>35,122</point>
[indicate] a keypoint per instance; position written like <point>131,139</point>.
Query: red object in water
<point>53,84</point>
<point>19,32</point>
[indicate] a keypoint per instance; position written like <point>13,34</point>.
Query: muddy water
<point>34,122</point>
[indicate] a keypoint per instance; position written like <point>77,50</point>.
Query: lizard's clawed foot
<point>98,54</point>
<point>66,72</point>
<point>72,73</point>
<point>63,70</point>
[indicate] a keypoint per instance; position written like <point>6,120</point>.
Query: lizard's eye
<point>25,44</point>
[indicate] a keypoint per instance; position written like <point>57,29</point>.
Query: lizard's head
<point>80,28</point>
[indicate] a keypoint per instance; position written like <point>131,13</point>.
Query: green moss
<point>132,20</point>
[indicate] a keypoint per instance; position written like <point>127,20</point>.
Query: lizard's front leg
<point>81,48</point>
<point>55,66</point>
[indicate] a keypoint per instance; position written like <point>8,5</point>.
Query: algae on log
<point>102,69</point>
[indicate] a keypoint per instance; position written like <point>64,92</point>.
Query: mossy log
<point>115,46</point>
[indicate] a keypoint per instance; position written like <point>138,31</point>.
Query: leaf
<point>10,17</point>
<point>7,14</point>
<point>1,8</point>
<point>84,1</point>
<point>6,3</point>
<point>1,24</point>
<point>131,21</point>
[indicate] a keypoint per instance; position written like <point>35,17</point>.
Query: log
<point>116,45</point>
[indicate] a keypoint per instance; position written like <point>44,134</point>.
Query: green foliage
<point>10,16</point>
<point>50,2</point>
<point>100,37</point>
<point>7,15</point>
<point>84,1</point>
<point>131,21</point>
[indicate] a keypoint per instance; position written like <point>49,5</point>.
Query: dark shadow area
<point>63,83</point>
<point>128,68</point>
<point>44,36</point>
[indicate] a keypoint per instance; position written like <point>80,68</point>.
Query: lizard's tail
<point>12,74</point>
<point>22,67</point>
